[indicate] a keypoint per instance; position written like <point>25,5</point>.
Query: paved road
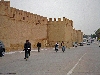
<point>83,60</point>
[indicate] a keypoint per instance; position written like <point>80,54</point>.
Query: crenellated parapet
<point>59,19</point>
<point>65,21</point>
<point>26,16</point>
<point>20,15</point>
<point>50,19</point>
<point>4,7</point>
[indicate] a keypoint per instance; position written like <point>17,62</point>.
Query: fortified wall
<point>59,31</point>
<point>75,35</point>
<point>16,26</point>
<point>79,36</point>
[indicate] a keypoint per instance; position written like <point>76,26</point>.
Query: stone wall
<point>69,33</point>
<point>16,26</point>
<point>75,35</point>
<point>59,31</point>
<point>56,31</point>
<point>79,36</point>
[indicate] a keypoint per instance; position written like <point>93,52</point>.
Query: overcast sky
<point>84,13</point>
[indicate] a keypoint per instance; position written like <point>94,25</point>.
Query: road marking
<point>70,72</point>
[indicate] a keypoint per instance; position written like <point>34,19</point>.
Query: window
<point>23,18</point>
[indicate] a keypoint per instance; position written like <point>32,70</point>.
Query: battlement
<point>64,20</point>
<point>4,7</point>
<point>20,15</point>
<point>25,16</point>
<point>59,19</point>
<point>79,30</point>
<point>5,3</point>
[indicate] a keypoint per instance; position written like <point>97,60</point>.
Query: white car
<point>88,43</point>
<point>84,42</point>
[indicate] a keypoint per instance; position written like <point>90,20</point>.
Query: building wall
<point>69,33</point>
<point>16,26</point>
<point>79,36</point>
<point>4,7</point>
<point>59,31</point>
<point>56,31</point>
<point>75,36</point>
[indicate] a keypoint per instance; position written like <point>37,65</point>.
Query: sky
<point>84,13</point>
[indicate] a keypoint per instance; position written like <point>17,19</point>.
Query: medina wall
<point>79,36</point>
<point>56,31</point>
<point>14,33</point>
<point>59,31</point>
<point>69,32</point>
<point>16,26</point>
<point>75,35</point>
<point>4,7</point>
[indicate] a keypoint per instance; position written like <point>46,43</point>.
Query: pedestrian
<point>63,46</point>
<point>1,50</point>
<point>38,45</point>
<point>27,48</point>
<point>56,47</point>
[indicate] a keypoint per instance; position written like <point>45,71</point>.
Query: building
<point>59,31</point>
<point>16,26</point>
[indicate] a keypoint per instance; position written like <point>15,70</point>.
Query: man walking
<point>38,45</point>
<point>56,47</point>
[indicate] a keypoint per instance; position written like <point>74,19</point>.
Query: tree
<point>93,36</point>
<point>85,36</point>
<point>98,33</point>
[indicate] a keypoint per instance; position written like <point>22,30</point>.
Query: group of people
<point>27,48</point>
<point>57,46</point>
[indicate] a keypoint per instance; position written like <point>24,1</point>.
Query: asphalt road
<point>83,60</point>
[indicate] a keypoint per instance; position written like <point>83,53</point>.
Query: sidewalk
<point>35,49</point>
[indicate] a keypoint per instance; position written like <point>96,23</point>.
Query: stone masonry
<point>16,26</point>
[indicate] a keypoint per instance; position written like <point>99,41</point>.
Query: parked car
<point>84,40</point>
<point>80,44</point>
<point>2,48</point>
<point>88,43</point>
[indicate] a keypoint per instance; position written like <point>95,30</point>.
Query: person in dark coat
<point>38,45</point>
<point>1,50</point>
<point>27,48</point>
<point>56,47</point>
